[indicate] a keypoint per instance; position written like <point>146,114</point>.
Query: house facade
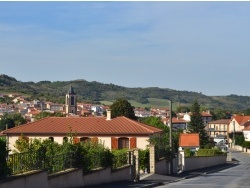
<point>218,128</point>
<point>246,132</point>
<point>116,133</point>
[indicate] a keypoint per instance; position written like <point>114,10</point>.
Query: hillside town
<point>77,125</point>
<point>218,130</point>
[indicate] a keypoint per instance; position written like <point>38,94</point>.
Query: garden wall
<point>193,163</point>
<point>69,178</point>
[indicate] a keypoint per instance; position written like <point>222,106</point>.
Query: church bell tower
<point>70,101</point>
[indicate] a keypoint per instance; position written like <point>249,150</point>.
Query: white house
<point>246,132</point>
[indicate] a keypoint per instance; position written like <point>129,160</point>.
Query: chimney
<point>108,114</point>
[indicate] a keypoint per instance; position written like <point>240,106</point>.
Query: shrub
<point>144,160</point>
<point>4,170</point>
<point>120,158</point>
<point>209,152</point>
<point>246,144</point>
<point>188,152</point>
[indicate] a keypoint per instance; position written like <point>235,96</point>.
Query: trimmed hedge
<point>209,152</point>
<point>4,170</point>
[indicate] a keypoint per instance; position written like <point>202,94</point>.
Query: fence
<point>23,162</point>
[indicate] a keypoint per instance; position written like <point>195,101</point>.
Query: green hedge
<point>4,170</point>
<point>188,152</point>
<point>144,160</point>
<point>246,144</point>
<point>209,152</point>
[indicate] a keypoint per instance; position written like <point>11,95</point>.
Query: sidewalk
<point>154,180</point>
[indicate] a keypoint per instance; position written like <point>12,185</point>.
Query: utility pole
<point>170,138</point>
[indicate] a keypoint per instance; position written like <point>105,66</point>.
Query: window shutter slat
<point>94,140</point>
<point>114,143</point>
<point>76,140</point>
<point>132,142</point>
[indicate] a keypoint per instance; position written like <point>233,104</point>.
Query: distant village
<point>219,130</point>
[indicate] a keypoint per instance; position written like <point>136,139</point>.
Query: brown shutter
<point>114,143</point>
<point>132,142</point>
<point>76,140</point>
<point>94,140</point>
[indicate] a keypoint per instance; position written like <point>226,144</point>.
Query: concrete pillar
<point>229,156</point>
<point>137,166</point>
<point>152,158</point>
<point>181,162</point>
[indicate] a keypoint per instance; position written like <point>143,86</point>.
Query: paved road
<point>236,177</point>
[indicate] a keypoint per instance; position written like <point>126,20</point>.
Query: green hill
<point>106,93</point>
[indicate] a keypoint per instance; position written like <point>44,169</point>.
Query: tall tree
<point>11,120</point>
<point>196,124</point>
<point>121,107</point>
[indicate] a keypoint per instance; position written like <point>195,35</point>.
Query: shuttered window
<point>123,143</point>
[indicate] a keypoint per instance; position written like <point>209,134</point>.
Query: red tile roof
<point>84,126</point>
<point>205,114</point>
<point>189,140</point>
<point>175,120</point>
<point>220,121</point>
<point>242,119</point>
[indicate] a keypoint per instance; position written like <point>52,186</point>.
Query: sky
<point>187,46</point>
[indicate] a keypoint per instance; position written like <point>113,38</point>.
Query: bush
<point>4,170</point>
<point>94,155</point>
<point>144,160</point>
<point>120,158</point>
<point>209,152</point>
<point>188,152</point>
<point>246,144</point>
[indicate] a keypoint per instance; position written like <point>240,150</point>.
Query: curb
<point>189,176</point>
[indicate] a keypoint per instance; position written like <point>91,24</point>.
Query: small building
<point>191,141</point>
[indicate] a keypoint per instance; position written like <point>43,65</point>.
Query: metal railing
<point>24,162</point>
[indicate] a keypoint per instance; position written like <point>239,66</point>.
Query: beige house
<point>218,128</point>
<point>116,133</point>
<point>238,124</point>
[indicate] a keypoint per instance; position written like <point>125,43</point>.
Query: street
<point>237,176</point>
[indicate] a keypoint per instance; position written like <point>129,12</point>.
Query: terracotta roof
<point>220,121</point>
<point>84,126</point>
<point>247,126</point>
<point>205,114</point>
<point>189,140</point>
<point>175,120</point>
<point>241,120</point>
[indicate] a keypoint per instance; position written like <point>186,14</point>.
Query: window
<point>65,139</point>
<point>84,139</point>
<point>123,143</point>
<point>51,139</point>
<point>72,102</point>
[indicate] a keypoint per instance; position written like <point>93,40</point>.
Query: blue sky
<point>192,46</point>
